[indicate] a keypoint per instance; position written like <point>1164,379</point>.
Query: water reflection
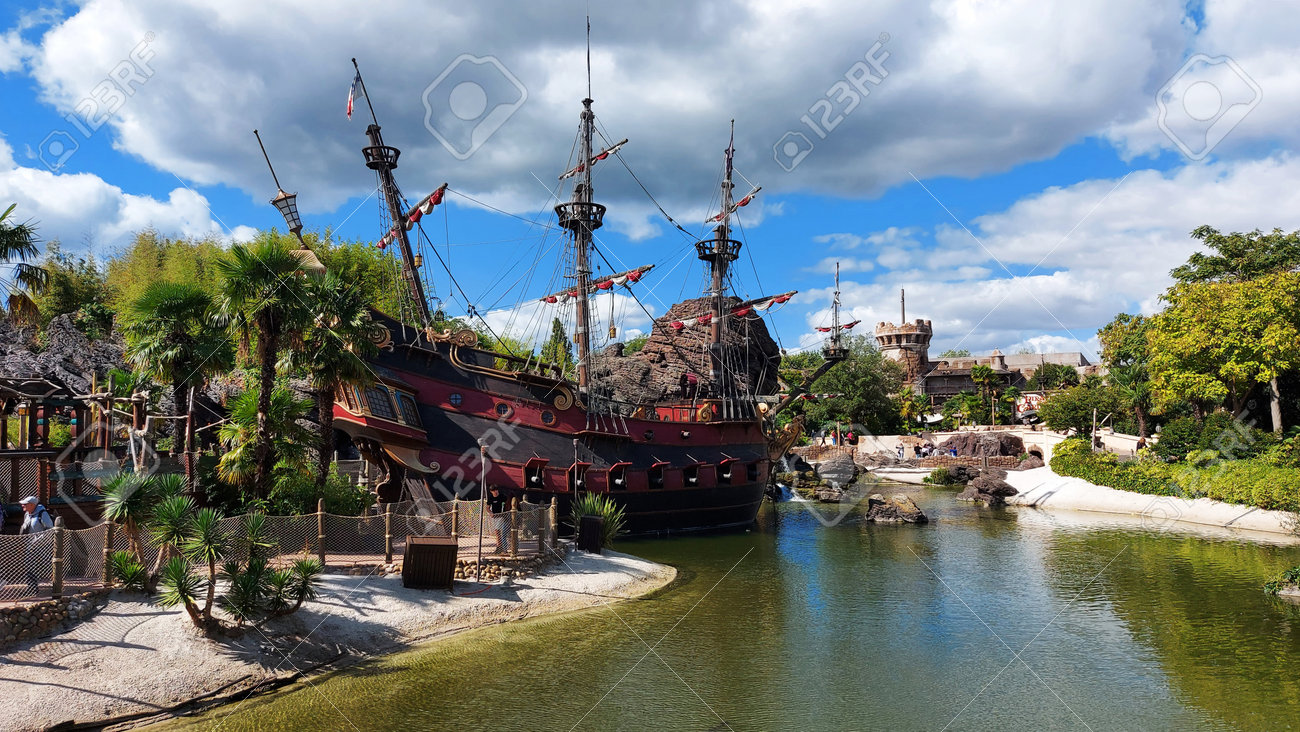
<point>869,626</point>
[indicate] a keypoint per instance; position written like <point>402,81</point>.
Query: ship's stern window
<point>410,412</point>
<point>380,402</point>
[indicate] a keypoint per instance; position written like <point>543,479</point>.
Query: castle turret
<point>908,344</point>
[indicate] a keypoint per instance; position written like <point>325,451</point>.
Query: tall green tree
<point>865,383</point>
<point>985,377</point>
<point>955,353</point>
<point>1076,408</point>
<point>240,463</point>
<point>169,335</point>
<point>1124,351</point>
<point>1217,340</point>
<point>1237,257</point>
<point>262,295</point>
<point>17,246</point>
<point>334,347</point>
<point>1051,376</point>
<point>558,349</point>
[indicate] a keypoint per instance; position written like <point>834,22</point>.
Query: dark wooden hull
<point>672,470</point>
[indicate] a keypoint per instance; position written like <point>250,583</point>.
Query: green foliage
<point>239,436</point>
<point>955,353</point>
<point>254,590</point>
<point>72,282</point>
<point>1246,482</point>
<point>60,434</point>
<point>634,345</point>
<point>1073,408</point>
<point>1177,438</point>
<point>558,349</point>
<point>599,504</point>
<point>17,246</point>
<point>151,259</point>
<point>171,338</point>
<point>376,275</point>
<point>965,407</point>
<point>1237,257</point>
<point>865,383</point>
<point>181,586</point>
<point>1285,454</point>
<point>940,476</point>
<point>1051,376</point>
<point>128,571</point>
<point>295,494</point>
<point>1289,578</point>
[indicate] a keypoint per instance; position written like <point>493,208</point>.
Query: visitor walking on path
<point>36,520</point>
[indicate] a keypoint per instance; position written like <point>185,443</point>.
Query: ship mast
<point>834,352</point>
<point>382,159</point>
<point>719,252</point>
<point>581,216</point>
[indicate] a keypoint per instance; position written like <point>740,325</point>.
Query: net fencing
<point>27,561</point>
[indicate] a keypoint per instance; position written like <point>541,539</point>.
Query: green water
<point>801,626</point>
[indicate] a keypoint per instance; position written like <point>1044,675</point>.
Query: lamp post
<point>287,205</point>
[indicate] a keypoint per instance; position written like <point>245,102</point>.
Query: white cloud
<point>83,208</point>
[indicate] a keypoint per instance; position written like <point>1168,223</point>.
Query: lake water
<point>987,619</point>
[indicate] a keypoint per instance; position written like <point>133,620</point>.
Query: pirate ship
<point>687,448</point>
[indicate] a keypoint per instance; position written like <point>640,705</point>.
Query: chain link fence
<point>28,566</point>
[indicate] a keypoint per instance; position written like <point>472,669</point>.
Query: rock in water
<point>838,470</point>
<point>990,487</point>
<point>895,509</point>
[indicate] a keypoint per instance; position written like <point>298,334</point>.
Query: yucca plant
<point>181,586</point>
<point>128,571</point>
<point>598,504</point>
<point>245,596</point>
<point>207,544</point>
<point>168,525</point>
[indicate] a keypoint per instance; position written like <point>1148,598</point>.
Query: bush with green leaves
<point>128,571</point>
<point>1252,482</point>
<point>940,476</point>
<point>599,504</point>
<point>296,493</point>
<point>1289,578</point>
<point>1178,437</point>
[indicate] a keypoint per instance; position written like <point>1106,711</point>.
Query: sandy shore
<point>134,658</point>
<point>1041,488</point>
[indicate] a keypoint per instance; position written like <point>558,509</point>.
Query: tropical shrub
<point>598,504</point>
<point>1289,577</point>
<point>1178,437</point>
<point>128,571</point>
<point>296,493</point>
<point>1247,482</point>
<point>940,476</point>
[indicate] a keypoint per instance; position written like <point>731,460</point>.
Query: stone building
<point>908,344</point>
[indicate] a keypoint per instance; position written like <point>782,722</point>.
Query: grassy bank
<point>1252,482</point>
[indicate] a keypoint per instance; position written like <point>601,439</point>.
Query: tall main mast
<point>382,159</point>
<point>719,252</point>
<point>581,216</point>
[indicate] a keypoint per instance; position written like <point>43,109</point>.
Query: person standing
<point>498,504</point>
<point>36,520</point>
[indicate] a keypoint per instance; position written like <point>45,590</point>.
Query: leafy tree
<point>864,382</point>
<point>955,353</point>
<point>333,351</point>
<point>375,273</point>
<point>634,345</point>
<point>558,349</point>
<point>1237,257</point>
<point>1073,408</point>
<point>75,286</point>
<point>262,293</point>
<point>912,405</point>
<point>150,259</point>
<point>964,407</point>
<point>985,377</point>
<point>240,465</point>
<point>169,336</point>
<point>1124,351</point>
<point>1217,340</point>
<point>18,242</point>
<point>1051,376</point>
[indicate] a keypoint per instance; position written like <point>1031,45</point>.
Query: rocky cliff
<point>61,353</point>
<point>655,372</point>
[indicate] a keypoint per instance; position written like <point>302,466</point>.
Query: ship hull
<point>452,418</point>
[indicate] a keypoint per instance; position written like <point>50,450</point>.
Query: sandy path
<point>134,657</point>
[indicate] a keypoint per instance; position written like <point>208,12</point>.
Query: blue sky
<point>1009,164</point>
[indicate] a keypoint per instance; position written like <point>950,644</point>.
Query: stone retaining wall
<point>33,620</point>
<point>947,461</point>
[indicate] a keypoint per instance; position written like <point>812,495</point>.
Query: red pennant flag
<point>677,325</point>
<point>436,198</point>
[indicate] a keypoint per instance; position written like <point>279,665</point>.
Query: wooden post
<point>108,553</point>
<point>388,533</point>
<point>455,534</point>
<point>43,480</point>
<point>514,527</point>
<point>108,415</point>
<point>554,529</point>
<point>320,531</point>
<point>56,576</point>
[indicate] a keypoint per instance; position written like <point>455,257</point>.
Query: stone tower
<point>908,344</point>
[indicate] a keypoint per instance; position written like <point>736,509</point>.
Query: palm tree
<point>205,542</point>
<point>1135,389</point>
<point>909,407</point>
<point>984,377</point>
<point>239,436</point>
<point>334,347</point>
<point>170,337</point>
<point>19,241</point>
<point>262,294</point>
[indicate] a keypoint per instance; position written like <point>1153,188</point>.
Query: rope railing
<point>60,560</point>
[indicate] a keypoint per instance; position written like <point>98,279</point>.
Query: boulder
<point>895,509</point>
<point>981,444</point>
<point>63,354</point>
<point>989,487</point>
<point>838,469</point>
<point>828,494</point>
<point>1031,462</point>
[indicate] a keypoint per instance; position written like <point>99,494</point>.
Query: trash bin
<point>429,562</point>
<point>590,530</point>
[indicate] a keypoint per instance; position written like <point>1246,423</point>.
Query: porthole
<point>548,417</point>
<point>503,409</point>
<point>455,399</point>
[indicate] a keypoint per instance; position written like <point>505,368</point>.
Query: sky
<point>1024,170</point>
